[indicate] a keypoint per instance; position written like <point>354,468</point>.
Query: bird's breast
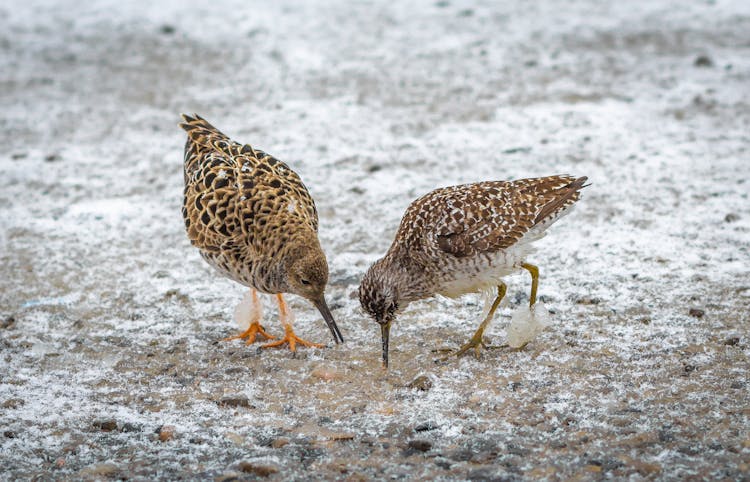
<point>476,273</point>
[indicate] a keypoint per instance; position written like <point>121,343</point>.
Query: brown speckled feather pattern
<point>471,219</point>
<point>461,239</point>
<point>241,206</point>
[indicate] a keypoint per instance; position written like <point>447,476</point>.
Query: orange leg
<point>289,336</point>
<point>255,328</point>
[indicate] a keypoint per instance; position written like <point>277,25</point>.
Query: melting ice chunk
<point>247,311</point>
<point>526,323</point>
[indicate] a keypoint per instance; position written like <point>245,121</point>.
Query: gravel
<point>111,359</point>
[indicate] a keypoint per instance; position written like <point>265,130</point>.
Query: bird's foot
<point>476,343</point>
<point>292,339</point>
<point>251,333</point>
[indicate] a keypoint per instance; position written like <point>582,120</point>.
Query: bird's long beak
<point>323,308</point>
<point>385,330</point>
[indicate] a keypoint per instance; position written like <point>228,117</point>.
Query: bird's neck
<point>406,276</point>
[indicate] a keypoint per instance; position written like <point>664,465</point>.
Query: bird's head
<point>307,277</point>
<point>379,298</point>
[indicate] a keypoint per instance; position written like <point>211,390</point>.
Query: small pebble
<point>7,322</point>
<point>731,217</point>
<point>14,403</point>
<point>703,61</point>
<point>280,442</point>
<point>261,470</point>
<point>732,341</point>
<point>9,434</point>
<point>234,401</point>
<point>588,300</point>
<point>166,433</point>
<point>130,427</point>
<point>422,383</point>
<point>696,312</point>
<point>421,445</point>
<point>106,425</point>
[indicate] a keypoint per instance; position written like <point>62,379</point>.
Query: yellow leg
<point>534,271</point>
<point>254,329</point>
<point>476,340</point>
<point>289,336</point>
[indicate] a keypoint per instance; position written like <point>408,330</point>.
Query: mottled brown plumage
<point>253,219</point>
<point>463,239</point>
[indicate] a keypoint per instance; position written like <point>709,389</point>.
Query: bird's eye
<point>304,281</point>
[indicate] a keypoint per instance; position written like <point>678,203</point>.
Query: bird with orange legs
<point>253,220</point>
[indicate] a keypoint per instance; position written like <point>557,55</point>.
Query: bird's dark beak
<point>323,308</point>
<point>385,329</point>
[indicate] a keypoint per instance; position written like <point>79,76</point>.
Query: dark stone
<point>732,341</point>
<point>731,217</point>
<point>130,427</point>
<point>703,61</point>
<point>9,434</point>
<point>8,322</point>
<point>607,464</point>
<point>426,427</point>
<point>665,436</point>
<point>235,401</point>
<point>105,425</point>
<point>515,150</point>
<point>167,29</point>
<point>52,157</point>
<point>696,312</point>
<point>374,168</point>
<point>689,368</point>
<point>419,444</point>
<point>737,385</point>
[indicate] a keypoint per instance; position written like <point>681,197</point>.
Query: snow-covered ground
<point>111,364</point>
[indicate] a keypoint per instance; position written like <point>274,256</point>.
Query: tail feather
<point>200,131</point>
<point>567,195</point>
